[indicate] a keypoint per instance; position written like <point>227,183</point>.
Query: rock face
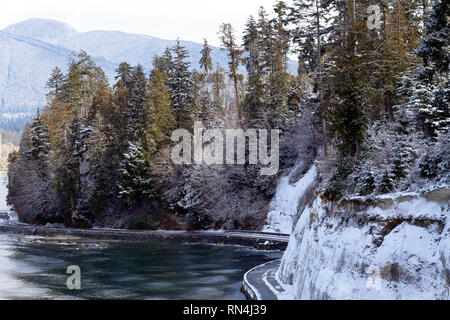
<point>394,247</point>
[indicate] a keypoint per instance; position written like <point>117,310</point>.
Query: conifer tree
<point>347,87</point>
<point>135,184</point>
<point>435,53</point>
<point>279,79</point>
<point>312,27</point>
<point>164,64</point>
<point>160,117</point>
<point>124,76</point>
<point>434,49</point>
<point>180,87</point>
<point>228,39</point>
<point>386,184</point>
<point>254,105</point>
<point>81,84</point>
<point>56,82</point>
<point>205,61</point>
<point>217,81</point>
<point>40,145</point>
<point>135,111</point>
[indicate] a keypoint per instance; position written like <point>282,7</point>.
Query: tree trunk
<point>72,207</point>
<point>238,99</point>
<point>319,54</point>
<point>398,26</point>
<point>319,78</point>
<point>354,10</point>
<point>325,137</point>
<point>358,151</point>
<point>388,105</point>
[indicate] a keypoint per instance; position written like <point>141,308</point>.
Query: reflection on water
<point>30,270</point>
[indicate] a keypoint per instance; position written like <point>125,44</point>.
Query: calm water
<point>37,270</point>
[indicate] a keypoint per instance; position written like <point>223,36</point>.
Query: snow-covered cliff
<point>285,203</point>
<point>394,247</point>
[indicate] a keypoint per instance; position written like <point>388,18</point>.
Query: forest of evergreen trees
<point>370,105</point>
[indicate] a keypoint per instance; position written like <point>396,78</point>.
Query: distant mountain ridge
<point>31,49</point>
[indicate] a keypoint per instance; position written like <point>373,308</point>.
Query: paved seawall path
<point>260,282</point>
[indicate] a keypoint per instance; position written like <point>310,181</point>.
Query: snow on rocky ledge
<point>394,247</point>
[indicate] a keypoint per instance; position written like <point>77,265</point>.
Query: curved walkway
<point>260,282</point>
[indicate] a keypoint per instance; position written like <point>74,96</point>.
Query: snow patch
<point>284,205</point>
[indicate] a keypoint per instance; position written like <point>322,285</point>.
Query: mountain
<point>112,46</point>
<point>31,49</point>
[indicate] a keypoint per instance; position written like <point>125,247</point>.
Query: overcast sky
<point>168,19</point>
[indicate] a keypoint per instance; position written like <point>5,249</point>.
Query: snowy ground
<point>395,248</point>
<point>284,205</point>
<point>3,192</point>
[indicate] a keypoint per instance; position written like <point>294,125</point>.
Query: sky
<point>191,20</point>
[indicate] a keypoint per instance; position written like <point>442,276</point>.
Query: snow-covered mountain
<point>31,49</point>
<point>26,64</point>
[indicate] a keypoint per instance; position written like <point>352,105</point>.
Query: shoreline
<point>254,286</point>
<point>258,240</point>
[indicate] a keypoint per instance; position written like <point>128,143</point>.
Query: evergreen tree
<point>279,79</point>
<point>68,175</point>
<point>164,64</point>
<point>312,27</point>
<point>227,37</point>
<point>180,87</point>
<point>135,111</point>
<point>434,49</point>
<point>404,146</point>
<point>56,82</point>
<point>386,184</point>
<point>254,103</point>
<point>205,61</point>
<point>396,39</point>
<point>366,181</point>
<point>217,80</point>
<point>434,113</point>
<point>40,145</point>
<point>136,184</point>
<point>124,76</point>
<point>81,84</point>
<point>204,105</point>
<point>160,118</point>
